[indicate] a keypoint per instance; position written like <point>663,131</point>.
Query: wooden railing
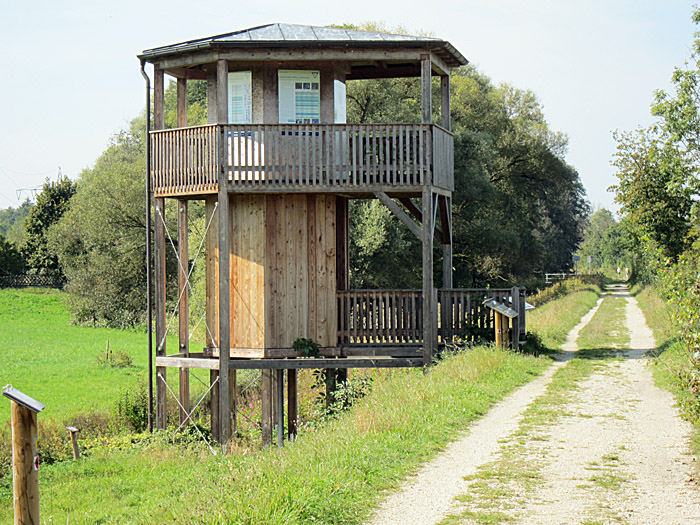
<point>396,316</point>
<point>188,160</point>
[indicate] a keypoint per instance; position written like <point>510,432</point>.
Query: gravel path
<point>618,456</point>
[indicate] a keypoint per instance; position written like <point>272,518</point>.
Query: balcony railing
<point>281,156</point>
<point>396,316</point>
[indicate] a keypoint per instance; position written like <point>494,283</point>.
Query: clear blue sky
<point>71,78</point>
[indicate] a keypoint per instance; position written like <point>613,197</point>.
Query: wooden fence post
<point>25,460</point>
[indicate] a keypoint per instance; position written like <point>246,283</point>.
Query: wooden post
<point>181,102</point>
<point>266,408</point>
<point>25,460</point>
<point>159,261</point>
<point>224,263</point>
<point>74,442</point>
<point>160,314</point>
<point>521,313</point>
<point>183,309</point>
<point>280,407</point>
<point>515,305</point>
<point>446,223</point>
<point>498,325</point>
<point>212,306</point>
<point>292,404</point>
<point>428,306</point>
<point>445,103</point>
<point>426,96</point>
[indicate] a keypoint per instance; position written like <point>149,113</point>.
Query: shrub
<point>132,407</point>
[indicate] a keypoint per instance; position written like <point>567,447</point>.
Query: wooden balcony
<point>302,158</point>
<point>380,317</point>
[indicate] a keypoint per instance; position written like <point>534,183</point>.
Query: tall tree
<point>51,204</point>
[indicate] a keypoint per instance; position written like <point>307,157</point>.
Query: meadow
<point>333,473</point>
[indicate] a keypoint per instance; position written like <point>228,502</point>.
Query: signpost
<point>25,459</point>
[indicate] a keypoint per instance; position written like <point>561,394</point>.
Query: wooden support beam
<point>160,314</point>
<point>426,89</point>
<point>222,91</point>
<point>445,204</point>
<point>400,214</point>
<point>158,99</point>
<point>211,97</point>
<point>280,407</point>
<point>212,306</point>
<point>292,407</point>
<point>445,120</point>
<point>428,290</point>
<point>181,102</point>
<point>183,308</point>
<point>515,305</point>
<point>266,415</point>
<point>224,265</point>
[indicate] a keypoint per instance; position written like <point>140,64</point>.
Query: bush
<point>118,359</point>
<point>131,408</point>
<point>562,288</point>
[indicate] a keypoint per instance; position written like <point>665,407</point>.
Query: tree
<point>647,193</point>
<point>11,262</point>
<point>518,208</point>
<point>50,206</point>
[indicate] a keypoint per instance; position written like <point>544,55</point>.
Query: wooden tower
<point>276,166</point>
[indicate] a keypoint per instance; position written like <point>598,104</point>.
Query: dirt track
<point>618,454</point>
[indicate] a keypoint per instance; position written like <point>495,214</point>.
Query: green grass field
<point>333,474</point>
<point>56,363</point>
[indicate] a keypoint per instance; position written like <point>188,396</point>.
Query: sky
<point>71,78</point>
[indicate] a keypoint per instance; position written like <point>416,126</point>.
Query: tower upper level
<point>276,107</point>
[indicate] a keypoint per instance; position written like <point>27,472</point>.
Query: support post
<point>160,314</point>
<point>292,404</point>
<point>266,408</point>
<point>181,102</point>
<point>212,306</point>
<point>183,308</point>
<point>224,265</point>
<point>445,102</point>
<point>428,291</point>
<point>426,96</point>
<point>280,407</point>
<point>446,223</point>
<point>515,305</point>
<point>522,313</point>
<point>159,260</point>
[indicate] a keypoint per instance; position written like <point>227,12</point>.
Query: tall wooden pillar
<point>159,261</point>
<point>224,264</point>
<point>267,402</point>
<point>183,308</point>
<point>426,95</point>
<point>445,102</point>
<point>183,269</point>
<point>428,290</point>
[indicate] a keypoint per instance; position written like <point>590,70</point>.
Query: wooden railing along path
<point>282,156</point>
<point>396,316</point>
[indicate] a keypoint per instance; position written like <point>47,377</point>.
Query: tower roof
<point>292,35</point>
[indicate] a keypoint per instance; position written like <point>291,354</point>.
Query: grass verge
<point>554,320</point>
<point>332,475</point>
<point>673,365</point>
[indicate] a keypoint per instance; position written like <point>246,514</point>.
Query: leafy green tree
<point>101,241</point>
<point>518,208</point>
<point>647,169</point>
<point>51,204</point>
<point>11,262</point>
